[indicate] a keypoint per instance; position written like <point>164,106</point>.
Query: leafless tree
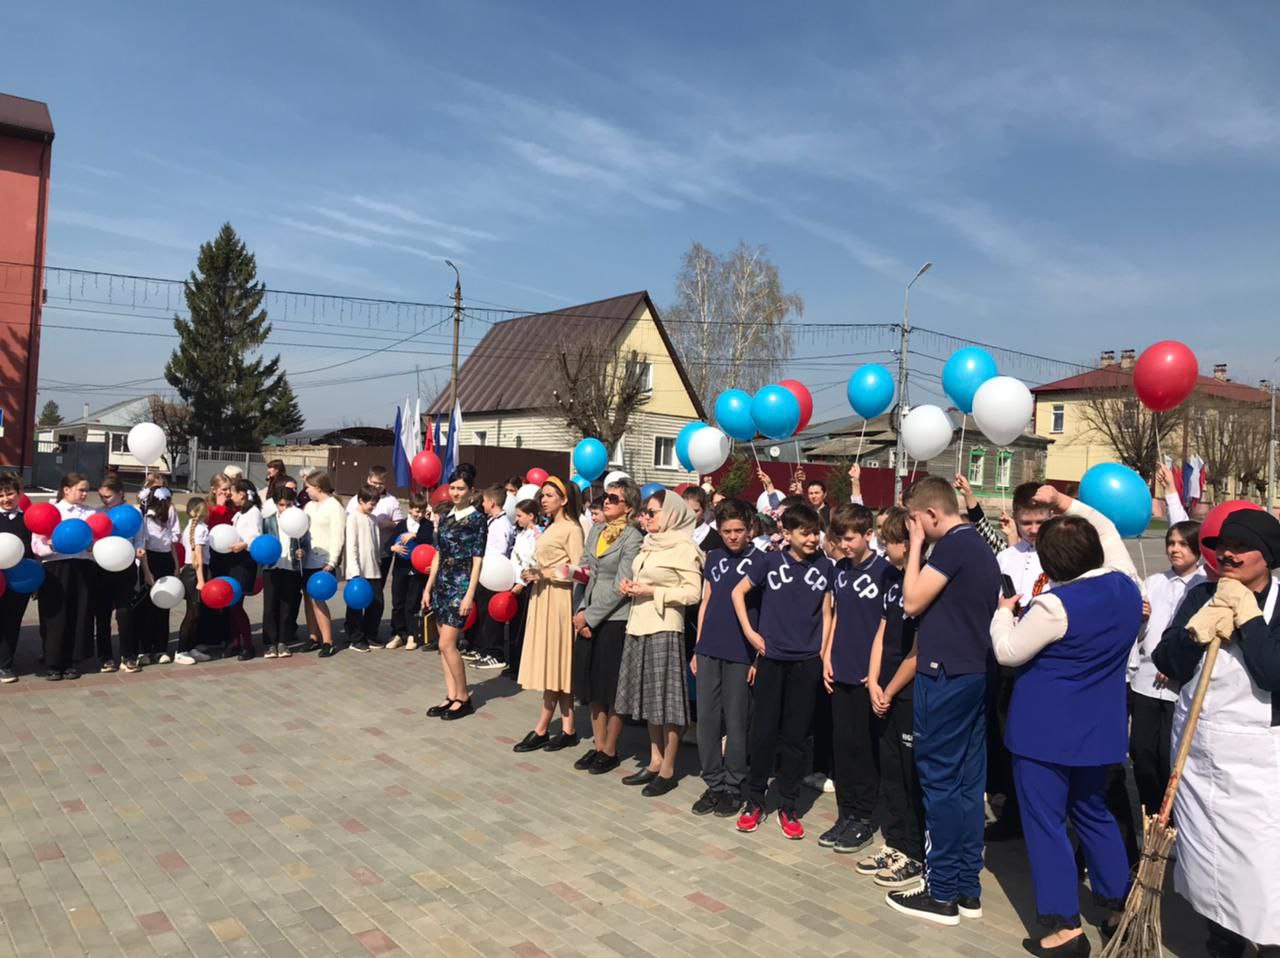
<point>174,417</point>
<point>1135,433</point>
<point>596,390</point>
<point>729,321</point>
<point>1232,439</point>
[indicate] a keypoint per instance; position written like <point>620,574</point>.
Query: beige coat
<point>676,576</point>
<point>363,547</point>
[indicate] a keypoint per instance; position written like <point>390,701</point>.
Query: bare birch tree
<point>596,390</point>
<point>1135,434</point>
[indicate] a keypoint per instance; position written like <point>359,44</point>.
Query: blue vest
<point>1068,704</point>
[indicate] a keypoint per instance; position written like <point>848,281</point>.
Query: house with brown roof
<point>507,385</point>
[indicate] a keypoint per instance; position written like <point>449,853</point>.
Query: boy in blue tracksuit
<point>407,582</point>
<point>954,597</point>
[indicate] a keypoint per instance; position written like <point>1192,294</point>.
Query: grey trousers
<point>724,708</point>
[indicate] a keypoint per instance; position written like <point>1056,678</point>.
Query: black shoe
<point>1077,947</point>
<point>829,838</point>
<point>587,759</point>
<point>311,647</point>
<point>437,710</point>
<point>707,802</point>
<point>531,742</point>
<point>462,711</point>
<point>431,647</point>
<point>729,804</point>
<point>327,651</point>
<point>1003,830</point>
<point>604,764</point>
<point>53,675</point>
<point>920,904</point>
<point>561,741</point>
<point>854,838</point>
<point>969,906</point>
<point>359,646</point>
<point>659,786</point>
<point>245,654</point>
<point>7,677</point>
<point>70,674</point>
<point>642,777</point>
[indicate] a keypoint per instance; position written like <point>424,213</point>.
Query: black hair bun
<point>465,472</point>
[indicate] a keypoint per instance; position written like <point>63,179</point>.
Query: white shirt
<point>157,537</point>
<point>499,538</point>
<point>522,552</point>
<point>1165,592</point>
<point>1021,563</point>
<point>767,501</point>
<point>200,538</point>
<point>700,533</point>
<point>1177,511</point>
<point>248,524</point>
<point>386,513</point>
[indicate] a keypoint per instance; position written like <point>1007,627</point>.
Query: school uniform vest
<point>1068,703</point>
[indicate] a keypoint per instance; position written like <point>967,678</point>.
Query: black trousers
<point>406,603</point>
<point>487,637</point>
<point>189,632</point>
<point>899,784</point>
<point>13,606</point>
<point>823,741</point>
<point>999,761</point>
<point>114,592</point>
<point>362,624</point>
<point>1150,729</point>
<point>515,634</point>
<point>65,602</point>
<point>281,597</point>
<point>855,752</point>
<point>782,708</point>
<point>151,620</point>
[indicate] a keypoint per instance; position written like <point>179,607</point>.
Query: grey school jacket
<point>601,600</point>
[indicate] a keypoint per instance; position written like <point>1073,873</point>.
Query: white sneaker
<point>396,642</point>
<point>270,652</point>
<point>185,658</point>
<point>412,643</point>
<point>818,782</point>
<point>829,787</point>
<point>164,658</point>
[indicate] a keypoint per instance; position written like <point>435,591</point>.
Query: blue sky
<point>1084,176</point>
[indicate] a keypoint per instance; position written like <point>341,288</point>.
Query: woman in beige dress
<point>546,663</point>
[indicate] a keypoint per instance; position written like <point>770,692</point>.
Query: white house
<point>110,425</point>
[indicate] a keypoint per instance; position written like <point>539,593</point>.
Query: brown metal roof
<point>26,119</point>
<point>1115,377</point>
<point>510,368</point>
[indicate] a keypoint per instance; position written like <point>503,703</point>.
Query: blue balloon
<point>266,550</point>
<point>580,482</point>
<point>322,586</point>
<point>26,577</point>
<point>871,390</point>
<point>591,459</point>
<point>965,371</point>
<point>71,536</point>
<point>1120,494</point>
<point>682,443</point>
<point>776,412</point>
<point>733,414</point>
<point>358,594</point>
<point>650,489</point>
<point>125,521</point>
<point>237,590</point>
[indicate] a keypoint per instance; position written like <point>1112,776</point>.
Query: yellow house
<point>506,386</point>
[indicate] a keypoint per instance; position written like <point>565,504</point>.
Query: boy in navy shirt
<point>795,617</point>
<point>846,661</point>
<point>721,659</point>
<point>13,605</point>
<point>954,597</point>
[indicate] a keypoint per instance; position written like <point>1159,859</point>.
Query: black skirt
<point>596,663</point>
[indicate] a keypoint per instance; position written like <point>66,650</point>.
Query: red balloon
<point>100,524</point>
<point>421,557</point>
<point>681,489</point>
<point>1165,374</point>
<point>426,468</point>
<point>503,607</point>
<point>535,476</point>
<point>803,397</point>
<point>440,495</point>
<point>1213,525</point>
<point>471,618</point>
<point>23,502</point>
<point>41,518</point>
<point>217,594</point>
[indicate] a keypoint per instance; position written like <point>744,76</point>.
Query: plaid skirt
<point>651,681</point>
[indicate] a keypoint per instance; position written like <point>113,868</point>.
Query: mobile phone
<point>1007,588</point>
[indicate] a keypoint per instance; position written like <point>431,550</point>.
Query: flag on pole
<point>451,447</point>
<point>417,426</point>
<point>435,443</point>
<point>1193,480</point>
<point>399,460</point>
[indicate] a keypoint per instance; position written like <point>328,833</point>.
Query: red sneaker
<point>751,817</point>
<point>791,827</point>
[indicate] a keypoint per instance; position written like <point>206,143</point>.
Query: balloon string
<point>861,436</point>
<point>1142,554</point>
<point>964,421</point>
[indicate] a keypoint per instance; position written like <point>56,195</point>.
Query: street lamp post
<point>899,472</point>
<point>457,328</point>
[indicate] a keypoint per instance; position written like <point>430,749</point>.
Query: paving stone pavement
<point>306,807</point>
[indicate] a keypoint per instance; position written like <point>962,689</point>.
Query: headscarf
<point>675,526</point>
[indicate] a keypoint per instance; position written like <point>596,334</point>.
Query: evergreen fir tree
<point>50,415</point>
<point>236,397</point>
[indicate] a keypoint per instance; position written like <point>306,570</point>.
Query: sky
<point>1083,176</point>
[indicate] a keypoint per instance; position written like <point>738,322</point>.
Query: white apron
<point>1228,807</point>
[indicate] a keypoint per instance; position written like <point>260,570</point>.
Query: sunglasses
<point>653,513</point>
<point>613,500</point>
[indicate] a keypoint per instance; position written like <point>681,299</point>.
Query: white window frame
<point>482,437</point>
<point>670,462</point>
<point>1057,418</point>
<point>647,369</point>
<point>1004,469</point>
<point>977,471</point>
<point>119,442</point>
<point>618,451</point>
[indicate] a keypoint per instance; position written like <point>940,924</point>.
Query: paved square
<point>306,807</point>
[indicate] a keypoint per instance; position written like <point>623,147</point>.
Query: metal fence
<point>211,462</point>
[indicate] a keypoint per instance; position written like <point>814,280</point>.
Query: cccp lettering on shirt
<point>722,635</point>
<point>791,604</point>
<point>859,606</point>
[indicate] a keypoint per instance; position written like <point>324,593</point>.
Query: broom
<point>1138,934</point>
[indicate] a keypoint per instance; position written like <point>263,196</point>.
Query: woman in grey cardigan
<point>600,622</point>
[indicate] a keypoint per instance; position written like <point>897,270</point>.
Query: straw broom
<point>1138,934</point>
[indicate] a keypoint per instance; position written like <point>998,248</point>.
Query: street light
<point>457,328</point>
<point>898,471</point>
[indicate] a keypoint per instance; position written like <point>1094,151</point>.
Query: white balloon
<point>293,522</point>
<point>509,506</point>
<point>497,574</point>
<point>1002,408</point>
<point>222,538</point>
<point>613,477</point>
<point>168,592</point>
<point>11,550</point>
<point>926,432</point>
<point>113,553</point>
<point>529,491</point>
<point>146,443</point>
<point>708,449</point>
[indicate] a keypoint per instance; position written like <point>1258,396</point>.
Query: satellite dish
<point>774,452</point>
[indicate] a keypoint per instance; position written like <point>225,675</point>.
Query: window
<point>977,466</point>
<point>617,452</point>
<point>646,376</point>
<point>119,442</point>
<point>481,437</point>
<point>1004,469</point>
<point>519,442</point>
<point>1059,417</point>
<point>664,453</point>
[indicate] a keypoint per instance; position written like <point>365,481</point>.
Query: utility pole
<point>1271,446</point>
<point>899,472</point>
<point>457,329</point>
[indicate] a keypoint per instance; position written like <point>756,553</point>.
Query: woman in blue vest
<point>1067,720</point>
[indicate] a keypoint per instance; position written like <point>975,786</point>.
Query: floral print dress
<point>459,539</point>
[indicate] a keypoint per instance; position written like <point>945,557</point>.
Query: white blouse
<point>1165,592</point>
<point>157,537</point>
<point>248,524</point>
<point>41,546</point>
<point>200,539</point>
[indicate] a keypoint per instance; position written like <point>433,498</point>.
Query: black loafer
<point>53,675</point>
<point>437,710</point>
<point>1077,947</point>
<point>461,712</point>
<point>70,674</point>
<point>659,786</point>
<point>642,777</point>
<point>587,759</point>
<point>563,740</point>
<point>531,742</point>
<point>604,764</point>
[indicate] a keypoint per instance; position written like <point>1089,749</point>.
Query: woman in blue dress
<point>451,587</point>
